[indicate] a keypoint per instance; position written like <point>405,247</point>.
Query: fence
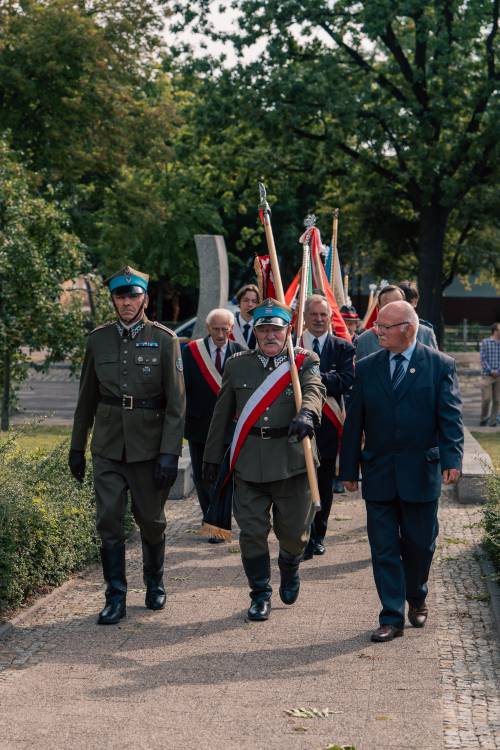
<point>464,337</point>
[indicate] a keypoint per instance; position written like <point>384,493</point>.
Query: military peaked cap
<point>272,312</point>
<point>127,279</point>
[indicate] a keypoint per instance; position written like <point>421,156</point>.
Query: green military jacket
<point>260,459</point>
<point>148,366</point>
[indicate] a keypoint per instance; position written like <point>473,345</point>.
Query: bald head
<point>396,326</point>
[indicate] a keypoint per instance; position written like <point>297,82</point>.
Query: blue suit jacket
<point>411,434</point>
<point>337,373</point>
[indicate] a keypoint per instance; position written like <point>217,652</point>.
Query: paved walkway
<point>197,675</point>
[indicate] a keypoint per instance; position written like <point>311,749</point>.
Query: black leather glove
<point>165,471</point>
<point>302,425</point>
<point>209,472</point>
<point>77,463</point>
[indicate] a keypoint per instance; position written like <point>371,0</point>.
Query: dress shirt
<point>308,338</point>
<point>213,350</point>
<point>407,356</point>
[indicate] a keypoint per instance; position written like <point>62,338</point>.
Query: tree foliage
<point>37,253</point>
<point>399,101</point>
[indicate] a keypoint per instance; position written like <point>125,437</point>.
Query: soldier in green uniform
<point>132,392</point>
<point>270,469</point>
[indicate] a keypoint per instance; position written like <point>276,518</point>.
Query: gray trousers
<point>112,480</point>
<point>289,501</point>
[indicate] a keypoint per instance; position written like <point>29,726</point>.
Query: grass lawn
<point>490,441</point>
<point>42,436</point>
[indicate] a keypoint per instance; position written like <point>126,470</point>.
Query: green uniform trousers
<point>112,480</point>
<point>292,513</point>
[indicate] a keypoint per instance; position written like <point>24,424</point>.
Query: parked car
<point>185,330</point>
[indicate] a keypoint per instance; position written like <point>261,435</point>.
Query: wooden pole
<point>297,392</point>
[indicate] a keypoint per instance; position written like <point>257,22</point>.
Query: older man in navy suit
<point>204,361</point>
<point>336,358</point>
<point>406,401</point>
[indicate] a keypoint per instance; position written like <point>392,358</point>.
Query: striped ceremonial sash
<point>334,413</point>
<point>204,361</point>
<point>237,333</point>
<point>267,392</point>
<point>331,408</point>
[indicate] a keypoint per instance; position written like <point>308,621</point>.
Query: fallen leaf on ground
<point>310,713</point>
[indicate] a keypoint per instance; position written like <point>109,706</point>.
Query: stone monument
<point>214,277</point>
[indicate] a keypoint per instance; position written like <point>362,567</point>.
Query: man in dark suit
<point>204,361</point>
<point>337,374</point>
<point>406,401</point>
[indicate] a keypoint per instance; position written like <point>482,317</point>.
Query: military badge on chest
<point>147,362</point>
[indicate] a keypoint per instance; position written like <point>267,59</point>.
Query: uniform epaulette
<point>164,328</point>
<point>104,325</point>
<point>244,352</point>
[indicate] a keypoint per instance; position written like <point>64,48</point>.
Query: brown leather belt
<point>266,433</point>
<point>131,402</point>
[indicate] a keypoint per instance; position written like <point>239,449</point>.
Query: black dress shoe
<point>386,633</point>
<point>319,548</point>
<point>113,612</point>
<point>418,615</point>
<point>259,610</point>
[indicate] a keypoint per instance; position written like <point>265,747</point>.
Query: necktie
<point>399,372</point>
<point>246,329</point>
<point>218,361</point>
<point>316,348</point>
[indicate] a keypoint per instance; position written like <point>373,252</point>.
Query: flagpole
<point>265,215</point>
<point>335,231</point>
<point>304,274</point>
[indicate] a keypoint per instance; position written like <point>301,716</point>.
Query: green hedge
<point>491,522</point>
<point>47,522</point>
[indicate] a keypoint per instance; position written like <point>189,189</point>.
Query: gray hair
<point>312,299</point>
<point>222,312</point>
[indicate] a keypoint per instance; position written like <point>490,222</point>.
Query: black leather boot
<point>153,558</point>
<point>258,570</point>
<point>290,581</point>
<point>113,568</point>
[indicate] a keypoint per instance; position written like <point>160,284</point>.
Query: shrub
<point>491,522</point>
<point>47,522</point>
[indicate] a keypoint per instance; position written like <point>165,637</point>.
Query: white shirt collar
<point>308,339</point>
<point>213,347</point>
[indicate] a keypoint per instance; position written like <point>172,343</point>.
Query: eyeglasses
<point>382,327</point>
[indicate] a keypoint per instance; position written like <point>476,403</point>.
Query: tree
<point>37,253</point>
<point>403,98</point>
<point>73,94</point>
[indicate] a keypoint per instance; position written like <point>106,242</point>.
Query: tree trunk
<point>433,221</point>
<point>4,425</point>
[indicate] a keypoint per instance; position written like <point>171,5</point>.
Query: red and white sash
<point>331,408</point>
<point>204,361</point>
<point>267,392</point>
<point>237,332</point>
